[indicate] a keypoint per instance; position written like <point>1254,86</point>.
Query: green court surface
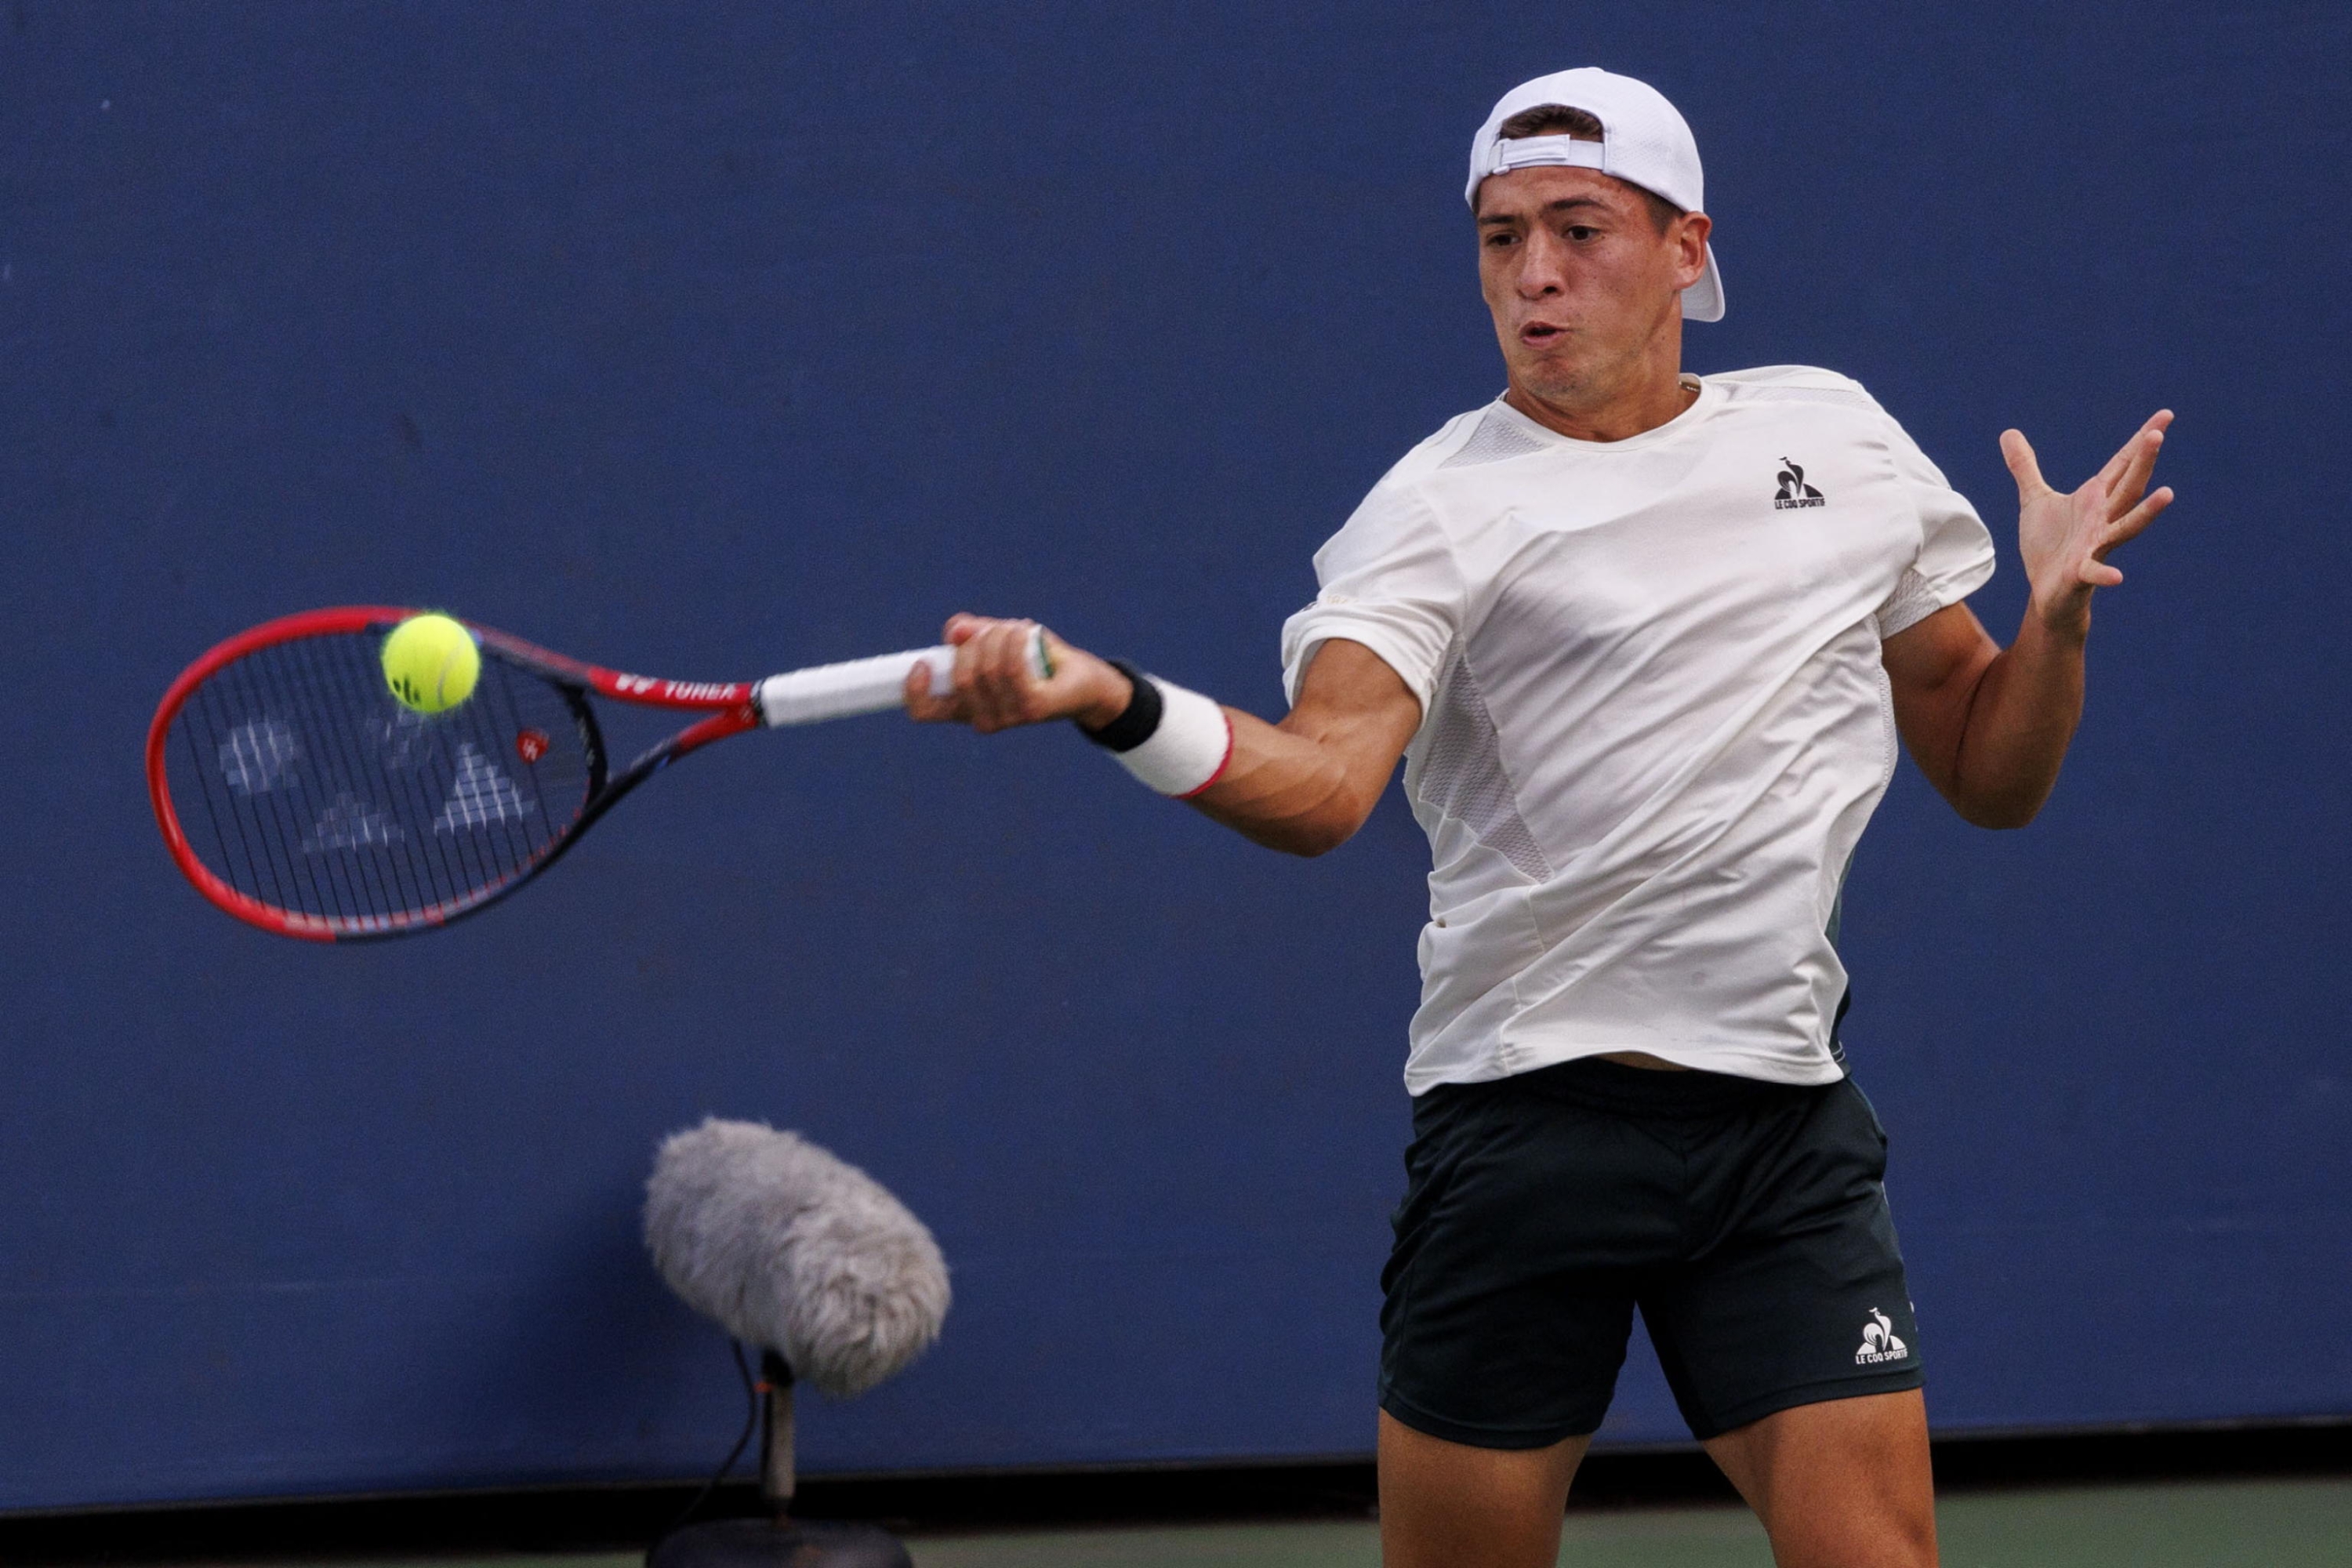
<point>2274,1524</point>
<point>2210,1524</point>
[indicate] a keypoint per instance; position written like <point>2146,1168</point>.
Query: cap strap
<point>1528,151</point>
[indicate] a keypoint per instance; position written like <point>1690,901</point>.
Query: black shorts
<point>1746,1219</point>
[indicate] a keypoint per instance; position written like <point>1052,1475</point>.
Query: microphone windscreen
<point>791,1247</point>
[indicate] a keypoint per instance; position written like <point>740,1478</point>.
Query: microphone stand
<point>777,1479</point>
<point>778,1540</point>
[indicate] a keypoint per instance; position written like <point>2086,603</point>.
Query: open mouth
<point>1541,335</point>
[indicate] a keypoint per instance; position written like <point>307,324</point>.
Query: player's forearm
<point>1290,790</point>
<point>2021,719</point>
<point>1303,786</point>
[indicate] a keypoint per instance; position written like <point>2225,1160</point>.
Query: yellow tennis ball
<point>431,663</point>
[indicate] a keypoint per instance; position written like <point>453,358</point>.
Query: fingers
<point>996,682</point>
<point>2128,471</point>
<point>2129,525</point>
<point>2134,449</point>
<point>2090,515</point>
<point>2095,569</point>
<point>2088,533</point>
<point>990,691</point>
<point>2017,453</point>
<point>2125,476</point>
<point>921,706</point>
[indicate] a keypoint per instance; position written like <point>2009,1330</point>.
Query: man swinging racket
<point>1645,640</point>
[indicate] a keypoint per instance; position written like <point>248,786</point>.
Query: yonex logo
<point>1879,1342</point>
<point>674,691</point>
<point>1794,491</point>
<point>480,794</point>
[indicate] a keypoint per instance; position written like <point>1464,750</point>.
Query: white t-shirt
<point>1654,714</point>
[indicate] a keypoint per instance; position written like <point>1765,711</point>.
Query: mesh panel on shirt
<point>1913,601</point>
<point>1462,774</point>
<point>1845,397</point>
<point>1494,439</point>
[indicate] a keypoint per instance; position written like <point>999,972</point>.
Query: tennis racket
<point>298,794</point>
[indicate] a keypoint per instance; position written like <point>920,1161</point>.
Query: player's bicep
<point>1354,703</point>
<point>1933,667</point>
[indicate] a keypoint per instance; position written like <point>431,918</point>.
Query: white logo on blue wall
<point>1879,1342</point>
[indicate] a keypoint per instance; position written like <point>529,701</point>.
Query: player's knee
<point>1892,1534</point>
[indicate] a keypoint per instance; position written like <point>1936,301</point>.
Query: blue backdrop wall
<point>711,339</point>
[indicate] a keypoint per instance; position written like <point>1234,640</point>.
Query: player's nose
<point>1543,266</point>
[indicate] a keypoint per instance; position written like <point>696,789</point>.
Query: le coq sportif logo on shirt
<point>1794,492</point>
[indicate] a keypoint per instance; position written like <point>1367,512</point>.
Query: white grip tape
<point>1189,752</point>
<point>856,686</point>
<point>868,685</point>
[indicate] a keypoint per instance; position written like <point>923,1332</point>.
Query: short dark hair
<point>1559,119</point>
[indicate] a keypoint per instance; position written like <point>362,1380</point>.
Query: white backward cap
<point>1644,142</point>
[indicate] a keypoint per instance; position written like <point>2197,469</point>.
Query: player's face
<point>1582,284</point>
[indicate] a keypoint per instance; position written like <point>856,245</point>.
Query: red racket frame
<point>730,704</point>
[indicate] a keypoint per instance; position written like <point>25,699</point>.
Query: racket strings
<point>301,783</point>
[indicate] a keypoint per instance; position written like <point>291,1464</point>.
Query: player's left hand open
<point>2066,537</point>
<point>1013,672</point>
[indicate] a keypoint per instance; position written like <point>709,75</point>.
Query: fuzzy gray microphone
<point>791,1247</point>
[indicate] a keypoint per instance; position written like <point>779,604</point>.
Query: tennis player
<point>1645,641</point>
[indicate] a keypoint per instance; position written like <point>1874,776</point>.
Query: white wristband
<point>1189,751</point>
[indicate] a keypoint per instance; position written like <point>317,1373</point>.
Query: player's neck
<point>1643,395</point>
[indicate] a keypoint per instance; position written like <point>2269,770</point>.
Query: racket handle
<point>867,685</point>
<point>856,686</point>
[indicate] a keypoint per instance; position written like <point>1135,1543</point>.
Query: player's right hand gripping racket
<point>297,793</point>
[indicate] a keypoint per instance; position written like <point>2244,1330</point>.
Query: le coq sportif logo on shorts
<point>1878,1342</point>
<point>1794,491</point>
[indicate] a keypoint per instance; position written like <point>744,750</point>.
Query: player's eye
<point>1580,232</point>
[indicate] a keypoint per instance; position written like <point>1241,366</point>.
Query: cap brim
<point>1703,300</point>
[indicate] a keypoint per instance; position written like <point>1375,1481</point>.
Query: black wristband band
<point>1138,720</point>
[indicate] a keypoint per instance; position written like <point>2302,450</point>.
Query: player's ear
<point>1689,236</point>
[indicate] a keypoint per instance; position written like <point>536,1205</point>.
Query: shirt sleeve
<point>1390,581</point>
<point>1956,554</point>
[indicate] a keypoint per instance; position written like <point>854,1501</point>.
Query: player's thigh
<point>1453,1505</point>
<point>1845,1483</point>
<point>1526,1223</point>
<point>1797,1293</point>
